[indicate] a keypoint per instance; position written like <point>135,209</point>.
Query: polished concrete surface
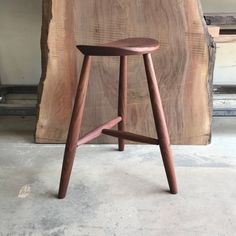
<point>116,193</point>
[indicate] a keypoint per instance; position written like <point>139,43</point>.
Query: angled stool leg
<point>160,123</point>
<point>122,102</point>
<point>74,130</point>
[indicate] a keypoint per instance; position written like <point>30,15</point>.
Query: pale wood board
<point>214,31</point>
<point>182,66</point>
<point>226,38</point>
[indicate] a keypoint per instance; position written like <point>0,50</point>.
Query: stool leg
<point>122,103</point>
<point>74,130</point>
<point>160,123</point>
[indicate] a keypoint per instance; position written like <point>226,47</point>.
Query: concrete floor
<point>113,193</point>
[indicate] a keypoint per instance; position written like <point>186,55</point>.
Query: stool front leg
<point>122,101</point>
<point>160,123</point>
<point>74,129</point>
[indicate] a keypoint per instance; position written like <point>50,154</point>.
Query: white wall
<point>210,6</point>
<point>225,67</point>
<point>20,23</point>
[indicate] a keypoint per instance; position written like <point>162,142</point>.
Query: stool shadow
<point>135,184</point>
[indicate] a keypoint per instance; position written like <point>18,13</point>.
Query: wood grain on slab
<point>182,67</point>
<point>58,82</point>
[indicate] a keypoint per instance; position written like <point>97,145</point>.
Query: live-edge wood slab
<point>58,81</point>
<point>184,66</point>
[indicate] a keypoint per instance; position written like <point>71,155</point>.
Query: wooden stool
<point>122,48</point>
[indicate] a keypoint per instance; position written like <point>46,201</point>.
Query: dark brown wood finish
<point>160,123</point>
<point>130,136</point>
<point>73,140</point>
<point>122,100</point>
<point>123,47</point>
<point>74,129</point>
<point>98,131</point>
<point>228,32</point>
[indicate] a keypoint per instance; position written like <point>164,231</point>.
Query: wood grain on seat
<point>129,46</point>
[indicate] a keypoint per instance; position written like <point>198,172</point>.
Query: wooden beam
<point>225,89</point>
<point>17,110</point>
<point>130,136</point>
<point>228,31</point>
<point>226,39</point>
<point>22,89</point>
<point>98,131</point>
<point>214,31</point>
<point>220,18</point>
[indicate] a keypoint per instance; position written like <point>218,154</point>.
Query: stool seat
<point>123,47</point>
